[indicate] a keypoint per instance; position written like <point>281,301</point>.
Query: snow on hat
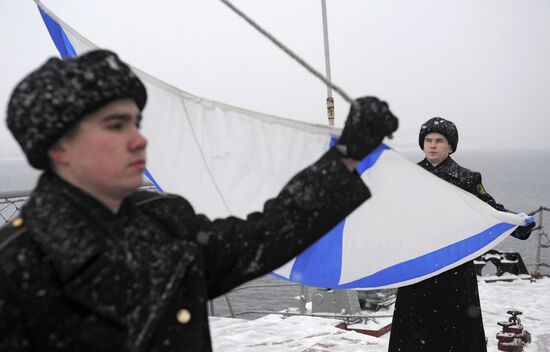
<point>51,99</point>
<point>439,125</point>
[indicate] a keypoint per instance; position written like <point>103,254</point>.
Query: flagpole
<point>330,114</point>
<point>330,99</point>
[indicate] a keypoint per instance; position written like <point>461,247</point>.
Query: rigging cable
<point>292,54</point>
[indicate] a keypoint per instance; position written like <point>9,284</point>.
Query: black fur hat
<point>51,99</point>
<point>439,125</point>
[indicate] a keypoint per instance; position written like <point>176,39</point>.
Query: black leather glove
<point>523,232</point>
<point>366,128</point>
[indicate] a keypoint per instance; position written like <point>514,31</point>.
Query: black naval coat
<point>76,277</point>
<point>442,313</point>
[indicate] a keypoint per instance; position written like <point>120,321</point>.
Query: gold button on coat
<point>17,222</point>
<point>183,316</point>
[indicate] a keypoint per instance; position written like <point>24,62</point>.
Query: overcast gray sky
<point>482,64</point>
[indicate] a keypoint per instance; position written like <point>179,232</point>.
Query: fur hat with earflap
<point>439,125</point>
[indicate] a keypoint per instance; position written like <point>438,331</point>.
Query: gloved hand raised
<point>366,128</point>
<point>523,232</point>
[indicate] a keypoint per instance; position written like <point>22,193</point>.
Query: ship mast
<point>330,99</point>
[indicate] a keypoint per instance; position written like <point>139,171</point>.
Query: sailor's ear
<point>57,153</point>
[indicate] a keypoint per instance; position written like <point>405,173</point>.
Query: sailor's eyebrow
<point>120,117</point>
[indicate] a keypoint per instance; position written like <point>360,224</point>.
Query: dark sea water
<point>518,180</point>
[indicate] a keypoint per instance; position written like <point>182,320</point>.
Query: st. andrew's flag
<point>414,226</point>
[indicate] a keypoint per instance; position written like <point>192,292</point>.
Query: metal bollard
<point>513,337</point>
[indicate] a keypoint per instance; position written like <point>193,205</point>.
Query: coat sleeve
<point>521,232</point>
<point>311,204</point>
<point>479,191</point>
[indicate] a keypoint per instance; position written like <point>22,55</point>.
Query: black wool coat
<point>442,313</point>
<point>76,277</point>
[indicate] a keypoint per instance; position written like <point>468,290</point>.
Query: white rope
<point>292,54</point>
<point>297,58</point>
<point>218,190</point>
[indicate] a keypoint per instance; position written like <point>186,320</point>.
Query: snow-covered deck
<point>311,334</point>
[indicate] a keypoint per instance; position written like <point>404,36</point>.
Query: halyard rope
<point>292,54</point>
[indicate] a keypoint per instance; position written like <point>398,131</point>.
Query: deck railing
<point>543,240</point>
<point>11,203</point>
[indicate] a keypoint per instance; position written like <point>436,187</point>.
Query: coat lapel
<point>77,251</point>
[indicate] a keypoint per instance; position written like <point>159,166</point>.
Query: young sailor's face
<point>105,152</point>
<point>436,148</point>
